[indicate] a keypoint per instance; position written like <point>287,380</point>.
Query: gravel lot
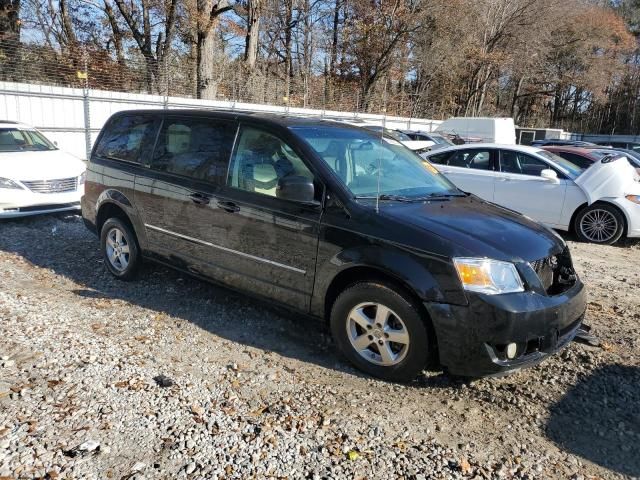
<point>252,392</point>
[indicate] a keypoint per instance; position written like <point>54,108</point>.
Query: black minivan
<point>339,223</point>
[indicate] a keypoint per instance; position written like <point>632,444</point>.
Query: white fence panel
<point>72,117</point>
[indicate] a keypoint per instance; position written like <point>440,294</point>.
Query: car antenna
<point>384,124</point>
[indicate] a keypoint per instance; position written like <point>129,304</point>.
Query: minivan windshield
<point>20,140</point>
<point>371,166</point>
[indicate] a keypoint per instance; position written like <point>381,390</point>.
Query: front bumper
<point>472,339</point>
<point>21,203</point>
<point>632,215</point>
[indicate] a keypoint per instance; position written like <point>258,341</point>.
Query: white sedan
<point>35,176</point>
<point>600,203</point>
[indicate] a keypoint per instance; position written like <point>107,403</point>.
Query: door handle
<point>229,207</point>
<point>503,179</point>
<point>199,198</point>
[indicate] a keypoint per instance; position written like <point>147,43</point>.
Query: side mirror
<point>296,188</point>
<point>549,175</point>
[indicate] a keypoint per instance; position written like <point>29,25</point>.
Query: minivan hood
<point>40,165</point>
<point>480,228</point>
<point>608,178</point>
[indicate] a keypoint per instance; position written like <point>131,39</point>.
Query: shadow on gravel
<point>599,419</point>
<point>62,244</point>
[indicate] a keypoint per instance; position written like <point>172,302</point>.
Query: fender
<point>116,197</point>
<point>431,278</point>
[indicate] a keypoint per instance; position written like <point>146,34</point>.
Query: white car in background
<point>35,176</point>
<point>600,203</point>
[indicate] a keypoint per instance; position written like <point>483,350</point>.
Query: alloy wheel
<point>117,249</point>
<point>378,334</point>
<point>598,225</point>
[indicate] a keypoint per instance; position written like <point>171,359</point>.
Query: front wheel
<point>599,223</point>
<point>119,249</point>
<point>379,329</point>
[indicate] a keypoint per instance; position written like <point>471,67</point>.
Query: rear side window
<point>477,159</point>
<point>197,148</point>
<point>440,158</point>
<point>126,137</point>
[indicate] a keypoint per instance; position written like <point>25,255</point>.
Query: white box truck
<point>480,129</point>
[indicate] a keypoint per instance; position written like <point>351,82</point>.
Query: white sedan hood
<point>609,178</point>
<point>418,144</point>
<point>40,165</point>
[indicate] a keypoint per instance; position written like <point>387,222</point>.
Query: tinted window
<point>440,158</point>
<point>565,166</point>
<point>260,160</point>
<point>478,159</point>
<point>194,147</point>
<point>578,160</point>
<point>518,162</point>
<point>124,137</point>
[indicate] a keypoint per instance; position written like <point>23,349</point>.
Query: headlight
<point>6,183</point>
<point>488,276</point>
<point>633,198</point>
<point>82,178</point>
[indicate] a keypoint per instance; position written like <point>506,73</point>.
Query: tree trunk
<point>288,59</point>
<point>67,26</point>
<point>253,33</point>
<point>207,84</point>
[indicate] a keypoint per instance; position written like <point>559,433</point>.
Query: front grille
<point>545,268</point>
<point>555,272</point>
<point>52,186</point>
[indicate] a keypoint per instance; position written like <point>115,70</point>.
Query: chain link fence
<point>176,75</point>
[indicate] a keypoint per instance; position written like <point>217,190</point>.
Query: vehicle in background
<point>587,155</point>
<point>340,223</point>
<point>480,129</point>
<point>600,203</point>
<point>556,142</point>
<point>439,141</point>
<point>634,146</point>
<point>35,176</point>
<point>418,146</point>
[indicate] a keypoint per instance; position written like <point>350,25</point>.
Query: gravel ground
<point>170,377</point>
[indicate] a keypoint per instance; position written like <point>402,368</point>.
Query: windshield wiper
<point>385,196</point>
<point>401,198</point>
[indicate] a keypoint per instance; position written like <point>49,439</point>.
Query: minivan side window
<point>124,137</point>
<point>260,160</point>
<point>197,148</point>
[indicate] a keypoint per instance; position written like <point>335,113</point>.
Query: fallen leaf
<point>352,455</point>
<point>465,466</point>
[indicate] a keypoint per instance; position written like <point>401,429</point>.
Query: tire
<point>366,302</point>
<point>119,247</point>
<point>599,223</point>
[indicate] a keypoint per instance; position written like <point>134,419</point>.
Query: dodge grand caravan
<point>336,222</point>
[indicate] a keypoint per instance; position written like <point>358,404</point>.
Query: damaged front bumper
<point>473,339</point>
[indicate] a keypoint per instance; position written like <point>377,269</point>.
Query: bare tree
<point>137,17</point>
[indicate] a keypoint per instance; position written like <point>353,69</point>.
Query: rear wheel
<point>379,329</point>
<point>119,249</point>
<point>599,223</point>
